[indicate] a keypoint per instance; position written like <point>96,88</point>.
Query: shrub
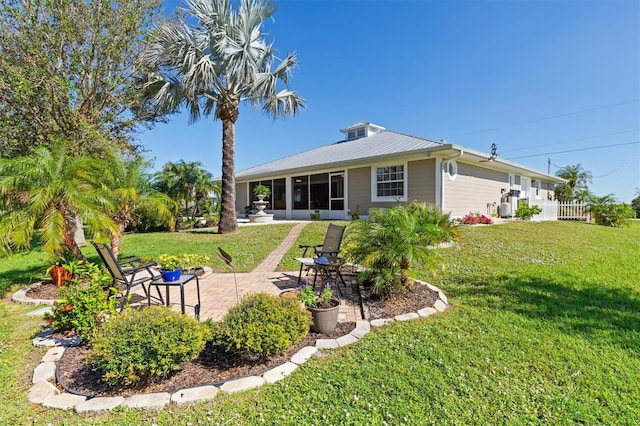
<point>617,215</point>
<point>526,212</point>
<point>262,325</point>
<point>476,218</point>
<point>393,241</point>
<point>146,343</point>
<point>84,302</point>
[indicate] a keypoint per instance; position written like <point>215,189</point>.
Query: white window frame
<point>536,188</point>
<point>451,169</point>
<point>374,183</point>
<point>525,186</point>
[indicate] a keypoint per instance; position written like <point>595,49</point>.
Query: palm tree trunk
<point>70,242</point>
<point>115,239</point>
<point>228,221</point>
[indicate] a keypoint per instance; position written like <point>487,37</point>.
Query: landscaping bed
<point>214,365</point>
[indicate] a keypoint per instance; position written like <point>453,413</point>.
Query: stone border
<point>44,392</point>
<point>20,296</point>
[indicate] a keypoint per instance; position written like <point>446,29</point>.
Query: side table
<point>181,282</point>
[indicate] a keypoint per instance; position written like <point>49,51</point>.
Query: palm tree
<point>576,176</point>
<point>130,192</point>
<point>211,61</point>
<point>44,192</point>
<point>178,180</point>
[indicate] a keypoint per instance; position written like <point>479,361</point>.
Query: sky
<point>551,83</point>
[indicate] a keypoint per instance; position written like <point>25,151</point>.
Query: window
<point>337,191</point>
<point>536,187</point>
<point>389,183</point>
<point>451,167</point>
<point>301,192</point>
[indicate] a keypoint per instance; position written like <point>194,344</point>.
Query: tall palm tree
<point>44,192</point>
<point>130,191</point>
<point>576,176</point>
<point>211,61</point>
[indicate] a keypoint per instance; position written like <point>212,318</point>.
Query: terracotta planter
<point>289,294</point>
<point>325,319</point>
<point>59,275</point>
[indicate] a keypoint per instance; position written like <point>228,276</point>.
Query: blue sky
<point>534,77</point>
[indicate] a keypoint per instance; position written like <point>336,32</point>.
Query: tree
<point>44,192</point>
<point>563,193</point>
<point>185,182</point>
<point>213,59</point>
<point>576,176</point>
<point>635,203</point>
<point>67,74</point>
<point>130,191</point>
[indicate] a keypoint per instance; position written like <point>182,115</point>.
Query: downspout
<point>440,177</point>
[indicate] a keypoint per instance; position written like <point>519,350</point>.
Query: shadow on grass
<point>20,276</point>
<point>592,311</point>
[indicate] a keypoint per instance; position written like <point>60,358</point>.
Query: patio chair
<point>129,272</point>
<point>329,248</point>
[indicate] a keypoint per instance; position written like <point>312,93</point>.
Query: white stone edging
<point>44,392</point>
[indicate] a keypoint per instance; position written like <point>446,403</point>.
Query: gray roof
<point>379,145</point>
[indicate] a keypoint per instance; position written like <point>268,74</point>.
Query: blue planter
<point>171,275</point>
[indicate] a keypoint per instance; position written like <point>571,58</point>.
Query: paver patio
<point>218,290</point>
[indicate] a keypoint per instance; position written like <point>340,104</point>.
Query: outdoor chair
<point>329,249</point>
<point>129,272</point>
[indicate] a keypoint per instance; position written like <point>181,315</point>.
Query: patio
<point>218,290</point>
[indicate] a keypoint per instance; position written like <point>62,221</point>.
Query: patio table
<point>180,282</point>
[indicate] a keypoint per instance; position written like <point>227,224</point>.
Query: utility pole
<point>548,165</point>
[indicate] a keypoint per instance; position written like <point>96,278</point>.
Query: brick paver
<point>218,290</point>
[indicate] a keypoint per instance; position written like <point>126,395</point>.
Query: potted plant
<point>315,215</point>
<point>324,308</point>
<point>170,267</point>
<point>261,192</point>
<point>59,274</point>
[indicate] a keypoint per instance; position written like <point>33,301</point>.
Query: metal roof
<point>377,146</point>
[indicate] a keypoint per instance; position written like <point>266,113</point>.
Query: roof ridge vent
<point>361,129</point>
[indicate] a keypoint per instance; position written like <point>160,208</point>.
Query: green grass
<point>544,329</point>
<point>248,247</point>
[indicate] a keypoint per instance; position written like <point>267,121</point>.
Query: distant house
<point>375,168</point>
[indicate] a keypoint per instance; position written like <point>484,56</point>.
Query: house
<point>375,168</point>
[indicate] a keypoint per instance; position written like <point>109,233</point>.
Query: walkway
<point>218,290</point>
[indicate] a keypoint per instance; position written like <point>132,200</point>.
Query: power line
<point>544,118</point>
<point>625,164</point>
<point>575,150</point>
<point>573,140</point>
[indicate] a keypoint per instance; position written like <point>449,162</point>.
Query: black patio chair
<point>329,248</point>
<point>129,272</point>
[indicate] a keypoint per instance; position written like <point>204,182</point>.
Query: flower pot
<point>59,275</point>
<point>171,275</point>
<point>325,319</point>
<point>289,294</point>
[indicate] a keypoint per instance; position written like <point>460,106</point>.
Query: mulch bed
<point>47,290</point>
<point>214,365</point>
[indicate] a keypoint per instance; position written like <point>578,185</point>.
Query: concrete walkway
<point>218,290</point>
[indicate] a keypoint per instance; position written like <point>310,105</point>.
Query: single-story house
<point>376,168</point>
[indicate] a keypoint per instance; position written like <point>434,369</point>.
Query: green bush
<point>526,212</point>
<point>393,241</point>
<point>84,302</point>
<point>617,215</point>
<point>262,325</point>
<point>146,343</point>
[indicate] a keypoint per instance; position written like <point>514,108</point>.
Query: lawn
<point>544,329</point>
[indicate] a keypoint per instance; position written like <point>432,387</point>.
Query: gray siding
<point>473,188</point>
<point>241,197</point>
<point>359,189</point>
<point>422,181</point>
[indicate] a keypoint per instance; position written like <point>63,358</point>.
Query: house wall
<point>241,197</point>
<point>420,184</point>
<point>422,181</point>
<point>473,188</point>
